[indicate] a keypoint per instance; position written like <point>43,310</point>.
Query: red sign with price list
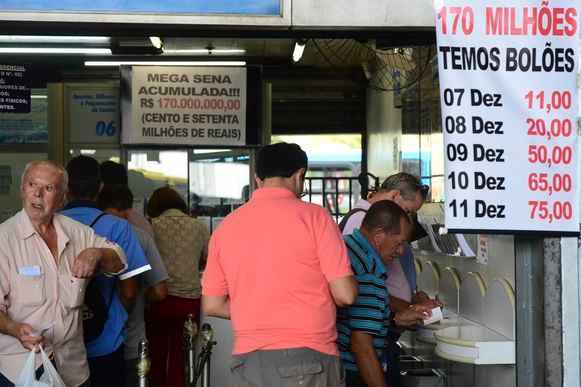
<point>508,92</point>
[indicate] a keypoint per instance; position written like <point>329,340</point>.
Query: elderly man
<point>363,327</point>
<point>45,260</point>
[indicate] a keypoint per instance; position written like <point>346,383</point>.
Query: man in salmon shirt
<point>278,267</point>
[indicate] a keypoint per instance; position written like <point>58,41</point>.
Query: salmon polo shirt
<point>274,257</point>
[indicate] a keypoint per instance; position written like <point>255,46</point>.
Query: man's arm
<point>128,290</point>
<point>110,261</point>
<point>95,259</point>
<point>344,290</point>
<point>397,304</point>
<point>366,358</point>
<point>216,306</point>
<point>157,292</point>
<point>23,332</point>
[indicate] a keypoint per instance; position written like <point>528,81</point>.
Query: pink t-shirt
<point>274,258</point>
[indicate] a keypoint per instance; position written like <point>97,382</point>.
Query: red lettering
<point>530,21</point>
<point>493,21</point>
<point>571,20</point>
<point>514,29</point>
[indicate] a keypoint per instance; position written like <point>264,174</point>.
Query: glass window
<point>219,181</point>
<point>149,170</point>
<point>98,154</point>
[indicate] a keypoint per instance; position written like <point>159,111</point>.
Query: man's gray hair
<point>408,185</point>
<point>48,163</point>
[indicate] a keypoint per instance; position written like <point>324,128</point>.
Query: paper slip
<point>436,316</point>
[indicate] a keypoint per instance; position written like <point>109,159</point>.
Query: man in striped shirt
<point>363,326</point>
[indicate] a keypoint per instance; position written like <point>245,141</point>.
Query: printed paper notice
<point>188,106</point>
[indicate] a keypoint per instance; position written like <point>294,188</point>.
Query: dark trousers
<point>108,370</point>
<point>392,359</point>
<point>353,379</point>
<point>165,332</point>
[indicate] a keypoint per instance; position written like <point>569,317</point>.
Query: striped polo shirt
<point>370,312</point>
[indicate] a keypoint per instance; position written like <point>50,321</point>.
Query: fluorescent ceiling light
<point>156,42</point>
<point>205,51</point>
<point>165,63</point>
<point>298,50</point>
<point>54,39</point>
<point>55,50</point>
<point>38,96</point>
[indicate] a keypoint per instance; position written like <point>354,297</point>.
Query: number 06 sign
<point>508,90</point>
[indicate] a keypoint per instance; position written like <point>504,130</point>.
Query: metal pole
<point>530,357</point>
<point>143,364</point>
<point>190,332</point>
<point>206,344</point>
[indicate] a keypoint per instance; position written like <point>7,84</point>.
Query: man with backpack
<point>108,299</point>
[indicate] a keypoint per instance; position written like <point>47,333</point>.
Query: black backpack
<point>95,309</point>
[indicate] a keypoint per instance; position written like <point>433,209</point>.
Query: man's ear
<point>393,195</point>
<point>299,173</point>
<point>378,237</point>
<point>258,181</point>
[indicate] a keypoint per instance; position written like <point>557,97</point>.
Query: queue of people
<point>77,269</point>
<point>308,307</point>
<point>87,277</point>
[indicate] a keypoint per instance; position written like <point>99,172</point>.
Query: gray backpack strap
<point>345,219</point>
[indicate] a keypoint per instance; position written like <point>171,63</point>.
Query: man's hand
<point>412,316</point>
<point>86,263</point>
<point>26,335</point>
<point>422,298</point>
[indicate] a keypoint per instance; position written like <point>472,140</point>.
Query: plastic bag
<point>49,378</point>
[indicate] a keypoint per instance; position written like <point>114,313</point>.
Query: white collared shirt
<point>40,291</point>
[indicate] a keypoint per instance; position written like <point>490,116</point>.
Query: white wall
<point>362,13</point>
<point>384,133</point>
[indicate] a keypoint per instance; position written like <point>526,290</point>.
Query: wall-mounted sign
<point>251,7</point>
<point>187,106</point>
<point>215,12</point>
<point>93,114</point>
<point>26,128</point>
<point>508,93</point>
<point>14,89</point>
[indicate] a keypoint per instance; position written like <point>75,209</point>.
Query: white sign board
<point>187,106</point>
<point>93,114</point>
<point>507,86</point>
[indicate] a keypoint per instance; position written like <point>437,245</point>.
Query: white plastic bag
<point>50,377</point>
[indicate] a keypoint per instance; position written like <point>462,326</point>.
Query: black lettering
<point>478,98</point>
<point>481,153</point>
<point>481,181</point>
<point>482,210</point>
